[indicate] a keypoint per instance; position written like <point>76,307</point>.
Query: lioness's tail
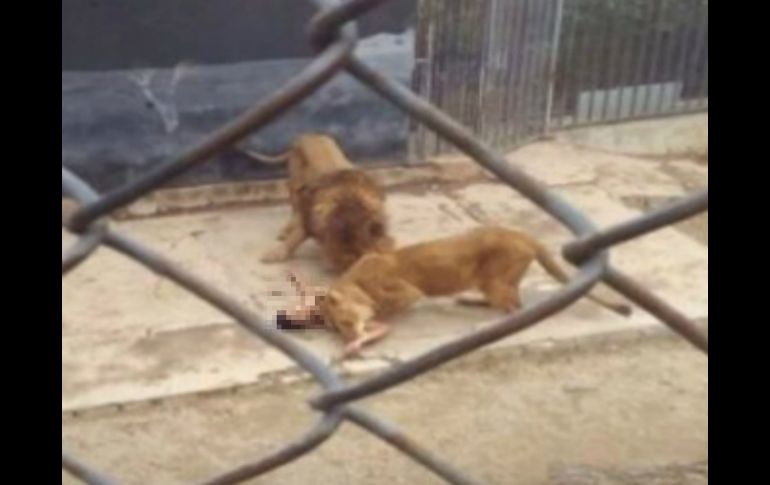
<point>548,262</point>
<point>261,157</point>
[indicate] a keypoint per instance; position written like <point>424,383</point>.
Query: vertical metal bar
<point>533,83</point>
<point>609,44</point>
<point>442,67</point>
<point>689,59</point>
<point>435,69</point>
<point>704,19</point>
<point>697,52</point>
<point>504,82</point>
<point>682,58</point>
<point>652,78</point>
<point>530,52</point>
<point>428,135</point>
<point>552,65</point>
<point>667,49</point>
<point>590,85</point>
<point>488,114</point>
<point>470,73</point>
<point>529,57</point>
<point>462,45</point>
<point>519,65</point>
<point>514,69</point>
<point>705,101</point>
<point>467,46</point>
<point>566,58</point>
<point>420,79</point>
<point>603,62</point>
<point>705,57</point>
<point>483,25</point>
<point>584,65</point>
<point>451,39</point>
<point>624,65</point>
<point>511,67</point>
<point>502,85</point>
<point>594,60</point>
<point>430,139</point>
<point>430,68</point>
<point>493,42</point>
<point>639,80</point>
<point>459,63</point>
<point>542,90</point>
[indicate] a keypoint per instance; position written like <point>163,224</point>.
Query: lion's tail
<point>261,157</point>
<point>548,262</point>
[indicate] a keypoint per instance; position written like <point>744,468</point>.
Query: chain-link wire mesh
<point>333,35</point>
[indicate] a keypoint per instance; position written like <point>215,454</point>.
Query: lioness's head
<point>347,309</point>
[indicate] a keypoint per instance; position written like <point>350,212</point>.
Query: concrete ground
<point>129,335</point>
<point>130,338</point>
<point>560,417</point>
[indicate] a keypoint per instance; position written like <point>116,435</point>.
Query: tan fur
<point>342,208</point>
<point>491,259</point>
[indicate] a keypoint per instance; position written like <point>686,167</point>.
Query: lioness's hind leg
<point>501,295</point>
<point>500,283</point>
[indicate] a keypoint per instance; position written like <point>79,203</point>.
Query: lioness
<point>341,207</point>
<point>490,259</point>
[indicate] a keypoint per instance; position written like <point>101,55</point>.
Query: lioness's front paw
<point>352,350</point>
<point>471,301</point>
<point>275,255</point>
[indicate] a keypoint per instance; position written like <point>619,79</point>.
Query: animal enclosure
<point>333,38</point>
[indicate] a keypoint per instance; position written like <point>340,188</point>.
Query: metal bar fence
<point>567,64</point>
<point>623,65</point>
<point>333,35</point>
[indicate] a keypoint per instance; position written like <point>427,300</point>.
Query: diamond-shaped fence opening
<point>333,35</point>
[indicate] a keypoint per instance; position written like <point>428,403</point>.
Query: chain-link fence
<point>333,35</point>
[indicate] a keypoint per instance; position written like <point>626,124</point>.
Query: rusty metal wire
<point>333,35</point>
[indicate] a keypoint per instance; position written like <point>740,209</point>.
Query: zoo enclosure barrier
<point>515,70</point>
<point>333,35</point>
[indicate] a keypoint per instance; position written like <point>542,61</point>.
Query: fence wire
<point>333,35</point>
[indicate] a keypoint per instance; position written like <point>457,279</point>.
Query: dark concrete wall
<point>142,80</point>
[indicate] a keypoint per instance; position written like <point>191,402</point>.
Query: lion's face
<point>372,236</point>
<point>349,238</point>
<point>347,215</point>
